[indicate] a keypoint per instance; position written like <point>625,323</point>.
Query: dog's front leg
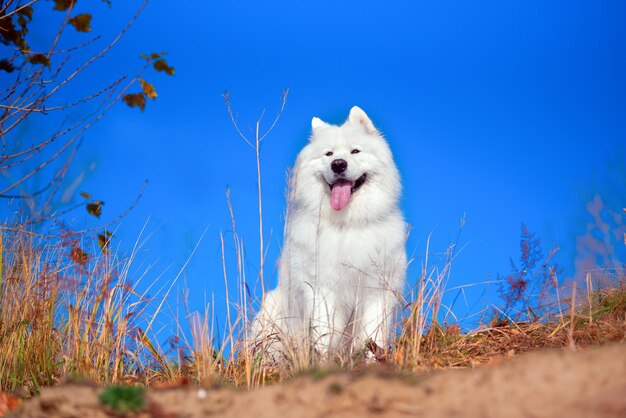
<point>322,323</point>
<point>377,320</point>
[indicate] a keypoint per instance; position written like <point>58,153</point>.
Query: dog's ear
<point>317,123</point>
<point>359,117</point>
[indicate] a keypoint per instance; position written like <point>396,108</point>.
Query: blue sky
<point>507,112</point>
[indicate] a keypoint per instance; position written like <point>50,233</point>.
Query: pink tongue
<point>340,194</point>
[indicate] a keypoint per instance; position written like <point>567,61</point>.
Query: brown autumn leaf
<point>82,22</point>
<point>8,403</point>
<point>85,195</point>
<point>148,89</point>
<point>21,20</point>
<point>95,208</point>
<point>103,240</point>
<point>63,5</point>
<point>135,100</point>
<point>161,65</point>
<point>6,65</point>
<point>10,33</point>
<point>26,11</point>
<point>78,256</point>
<point>8,30</point>
<point>152,55</point>
<point>25,15</point>
<point>39,59</point>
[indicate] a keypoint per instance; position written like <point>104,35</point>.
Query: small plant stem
<point>572,344</point>
<point>230,323</point>
<point>589,292</point>
<point>257,141</point>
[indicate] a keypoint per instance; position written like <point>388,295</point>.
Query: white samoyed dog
<point>343,262</point>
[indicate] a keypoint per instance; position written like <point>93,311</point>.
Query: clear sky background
<point>507,112</point>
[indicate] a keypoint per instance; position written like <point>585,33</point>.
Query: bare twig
<point>258,137</point>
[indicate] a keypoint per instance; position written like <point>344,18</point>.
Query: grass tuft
<point>123,399</point>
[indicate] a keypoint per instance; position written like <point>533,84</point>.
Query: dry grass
<point>65,312</point>
<point>601,321</point>
<point>63,315</point>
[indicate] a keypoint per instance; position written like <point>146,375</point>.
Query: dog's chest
<point>351,250</point>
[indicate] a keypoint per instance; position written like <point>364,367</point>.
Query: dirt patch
<point>589,383</point>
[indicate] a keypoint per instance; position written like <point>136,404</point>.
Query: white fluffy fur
<point>340,272</point>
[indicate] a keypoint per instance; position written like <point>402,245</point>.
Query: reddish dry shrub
<point>525,289</point>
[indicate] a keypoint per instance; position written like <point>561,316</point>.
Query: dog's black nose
<point>339,166</point>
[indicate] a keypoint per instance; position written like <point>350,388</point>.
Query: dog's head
<point>351,163</point>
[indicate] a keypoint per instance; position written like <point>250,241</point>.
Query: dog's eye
<point>355,151</point>
<point>329,153</point>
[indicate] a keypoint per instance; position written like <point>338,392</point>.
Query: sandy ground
<point>589,383</point>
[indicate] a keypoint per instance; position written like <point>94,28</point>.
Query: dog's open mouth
<point>342,189</point>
